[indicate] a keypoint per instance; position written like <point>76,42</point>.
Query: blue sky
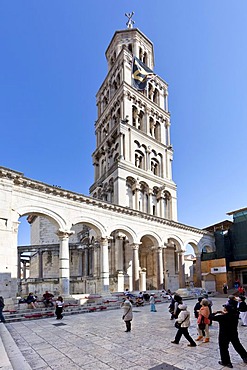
<point>52,64</point>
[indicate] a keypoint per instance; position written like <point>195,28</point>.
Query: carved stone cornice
<point>18,180</point>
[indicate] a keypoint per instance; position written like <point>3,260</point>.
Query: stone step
<point>69,309</point>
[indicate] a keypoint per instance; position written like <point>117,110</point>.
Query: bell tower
<point>133,156</point>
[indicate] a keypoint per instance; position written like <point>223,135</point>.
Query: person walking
<point>152,303</point>
<point>127,315</point>
<point>203,321</point>
<point>197,307</point>
<point>184,321</point>
<point>228,333</point>
<point>59,308</point>
<point>173,307</point>
<point>2,318</point>
<point>242,308</point>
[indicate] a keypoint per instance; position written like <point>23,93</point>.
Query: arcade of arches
<point>93,246</point>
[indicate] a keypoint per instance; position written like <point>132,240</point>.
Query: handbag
<point>201,324</point>
<point>178,324</point>
<point>125,314</point>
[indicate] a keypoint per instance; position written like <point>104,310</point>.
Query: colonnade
<point>100,267</point>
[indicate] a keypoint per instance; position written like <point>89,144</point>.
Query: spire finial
<point>130,21</point>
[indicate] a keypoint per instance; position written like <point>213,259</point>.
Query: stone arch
<point>148,257</point>
<point>205,245</point>
<point>154,237</point>
<point>130,233</point>
<point>193,243</point>
<point>178,243</point>
<point>91,223</point>
<point>144,197</point>
<point>53,217</point>
<point>130,182</point>
<point>120,254</point>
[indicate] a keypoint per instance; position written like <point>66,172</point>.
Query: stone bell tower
<point>133,156</point>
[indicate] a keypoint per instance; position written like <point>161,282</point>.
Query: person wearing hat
<point>232,301</point>
<point>242,307</point>
<point>228,333</point>
<point>184,321</point>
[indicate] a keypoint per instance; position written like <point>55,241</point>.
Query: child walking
<point>59,308</point>
<point>152,303</point>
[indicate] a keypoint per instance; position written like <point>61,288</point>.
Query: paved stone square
<point>97,340</point>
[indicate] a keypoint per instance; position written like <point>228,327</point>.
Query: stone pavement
<point>97,340</point>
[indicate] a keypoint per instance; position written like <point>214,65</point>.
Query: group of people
<point>47,300</point>
<point>228,325</point>
<point>227,319</point>
<point>237,285</point>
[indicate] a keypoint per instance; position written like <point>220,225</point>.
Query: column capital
<point>170,245</point>
<point>105,239</point>
<point>64,234</point>
<point>135,246</point>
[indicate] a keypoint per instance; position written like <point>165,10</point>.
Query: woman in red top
<point>203,317</point>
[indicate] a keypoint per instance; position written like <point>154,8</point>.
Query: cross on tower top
<point>130,21</point>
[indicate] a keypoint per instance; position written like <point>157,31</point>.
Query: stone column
<point>150,201</point>
<point>166,101</point>
<point>118,253</point>
<point>121,146</point>
<point>64,269</point>
<point>24,264</point>
<point>80,263</point>
<point>137,195</point>
<point>40,267</point>
<point>86,261</point>
<point>198,276</point>
<point>120,281</point>
<point>143,280</point>
<point>148,160</point>
<point>159,268</point>
<point>161,204</point>
<point>104,264</point>
<point>19,265</point>
<point>96,260</point>
<point>181,269</point>
<point>135,266</point>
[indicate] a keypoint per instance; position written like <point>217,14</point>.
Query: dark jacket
<point>228,323</point>
<point>2,303</point>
